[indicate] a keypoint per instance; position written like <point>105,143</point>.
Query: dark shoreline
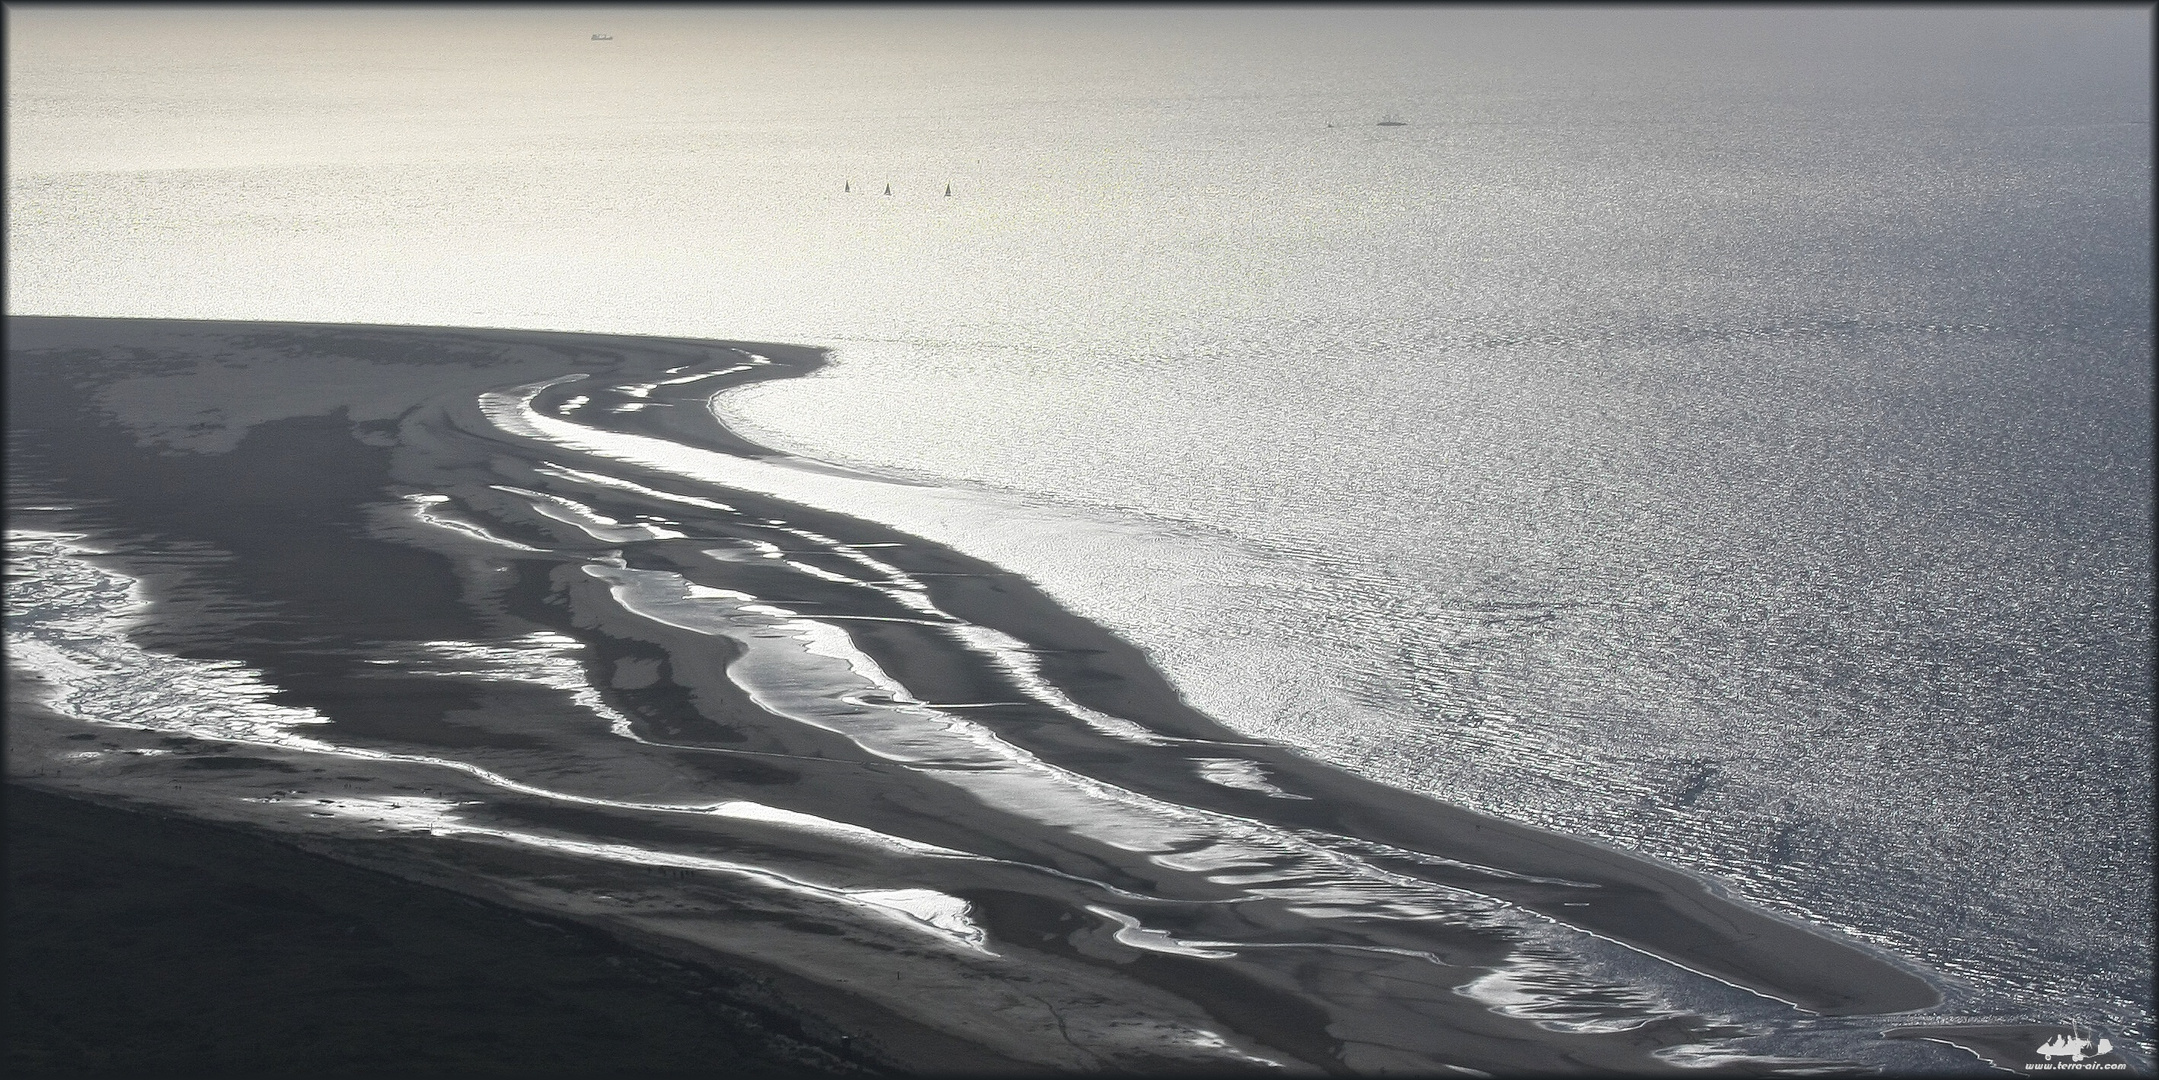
<point>1652,907</point>
<point>141,943</point>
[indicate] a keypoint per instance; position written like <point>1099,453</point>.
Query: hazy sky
<point>100,87</point>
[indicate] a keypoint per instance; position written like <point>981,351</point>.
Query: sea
<point>1722,434</point>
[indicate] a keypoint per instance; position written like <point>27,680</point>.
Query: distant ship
<point>1391,120</point>
<point>603,37</point>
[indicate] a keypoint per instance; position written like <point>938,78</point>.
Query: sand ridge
<point>465,597</point>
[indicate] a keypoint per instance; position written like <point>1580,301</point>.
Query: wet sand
<point>140,943</point>
<point>562,644</point>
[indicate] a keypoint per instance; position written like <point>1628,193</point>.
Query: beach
<point>151,945</point>
<point>510,613</point>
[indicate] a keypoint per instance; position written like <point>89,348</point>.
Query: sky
<point>176,86</point>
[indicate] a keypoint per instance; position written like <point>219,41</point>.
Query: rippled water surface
<point>1732,445</point>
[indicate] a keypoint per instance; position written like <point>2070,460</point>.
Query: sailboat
<point>888,189</point>
<point>948,191</point>
<point>847,186</point>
